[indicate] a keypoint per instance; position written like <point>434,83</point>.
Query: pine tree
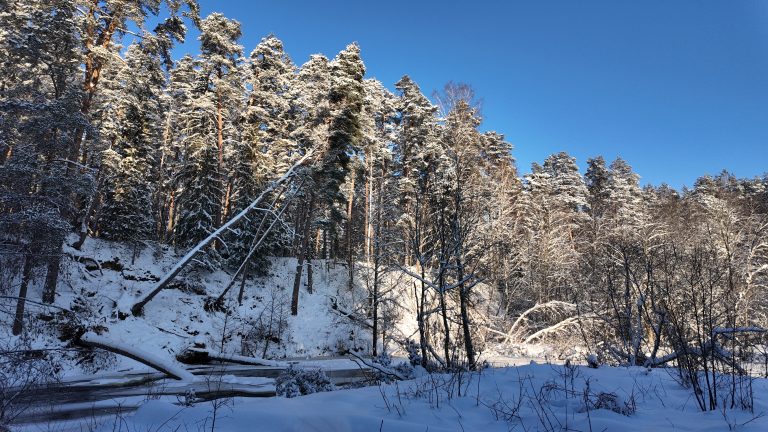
<point>40,98</point>
<point>597,178</point>
<point>208,129</point>
<point>415,148</point>
<point>625,208</point>
<point>344,134</point>
<point>568,185</point>
<point>129,165</point>
<point>266,149</point>
<point>269,118</point>
<point>102,22</point>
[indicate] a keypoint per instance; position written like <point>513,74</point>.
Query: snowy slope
<point>105,278</point>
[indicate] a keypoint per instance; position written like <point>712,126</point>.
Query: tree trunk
<point>297,285</point>
<point>463,300</point>
<point>463,291</point>
<point>422,321</point>
<point>169,224</point>
<point>367,231</point>
<point>310,266</point>
<point>51,279</point>
<point>350,257</point>
<point>92,71</point>
<point>377,258</point>
<point>220,145</point>
<point>375,307</point>
<point>305,223</point>
<point>446,329</point>
<point>18,321</point>
<point>220,129</point>
<point>242,283</point>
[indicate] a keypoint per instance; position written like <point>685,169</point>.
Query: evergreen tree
<point>208,129</point>
<point>269,118</point>
<point>129,165</point>
<point>596,179</point>
<point>625,208</point>
<point>568,185</point>
<point>266,150</point>
<point>39,100</point>
<point>344,136</point>
<point>415,148</point>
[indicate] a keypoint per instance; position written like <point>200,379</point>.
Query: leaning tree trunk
<point>138,307</point>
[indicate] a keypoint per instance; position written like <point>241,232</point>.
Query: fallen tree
<point>200,356</point>
<point>92,340</point>
<point>138,307</point>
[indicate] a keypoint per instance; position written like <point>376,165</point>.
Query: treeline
<point>127,144</point>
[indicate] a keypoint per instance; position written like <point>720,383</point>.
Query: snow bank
<point>532,396</point>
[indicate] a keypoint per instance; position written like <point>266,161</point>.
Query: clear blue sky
<point>678,88</point>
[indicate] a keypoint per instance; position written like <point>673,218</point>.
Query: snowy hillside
<point>104,278</point>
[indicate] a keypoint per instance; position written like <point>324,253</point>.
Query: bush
<point>593,361</point>
<point>298,382</point>
<point>414,352</point>
<point>611,402</point>
<point>404,369</point>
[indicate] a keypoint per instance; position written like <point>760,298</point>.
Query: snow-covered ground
<point>534,397</point>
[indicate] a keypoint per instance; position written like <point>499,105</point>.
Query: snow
<point>433,403</point>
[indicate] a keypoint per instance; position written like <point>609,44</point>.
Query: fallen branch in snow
<point>554,305</point>
<point>350,316</point>
<point>48,305</point>
<point>138,307</point>
<point>708,347</point>
<point>201,356</point>
<point>556,328</point>
<point>92,340</point>
<point>385,370</point>
<point>732,330</point>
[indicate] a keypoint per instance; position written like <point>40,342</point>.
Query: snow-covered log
<point>169,368</point>
<point>201,356</point>
<point>138,307</point>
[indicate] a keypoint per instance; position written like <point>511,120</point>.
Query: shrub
<point>298,382</point>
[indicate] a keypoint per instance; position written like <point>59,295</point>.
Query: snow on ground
<point>529,398</point>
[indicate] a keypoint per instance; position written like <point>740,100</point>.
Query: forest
<point>235,155</point>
